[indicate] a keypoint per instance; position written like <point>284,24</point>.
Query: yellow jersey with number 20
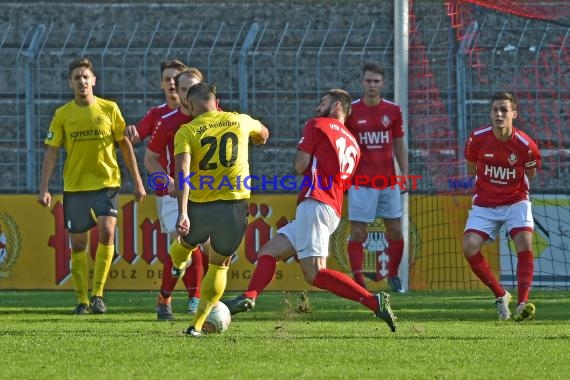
<point>218,145</point>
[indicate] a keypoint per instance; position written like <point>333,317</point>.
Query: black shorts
<point>81,208</point>
<point>223,222</point>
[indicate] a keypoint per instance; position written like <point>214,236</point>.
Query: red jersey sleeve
<point>398,125</point>
<point>307,142</point>
<point>471,148</point>
<point>145,127</point>
<point>533,159</point>
<point>158,141</point>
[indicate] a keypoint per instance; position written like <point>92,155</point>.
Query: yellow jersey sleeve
<point>55,135</point>
<point>183,139</point>
<point>254,126</point>
<point>118,123</point>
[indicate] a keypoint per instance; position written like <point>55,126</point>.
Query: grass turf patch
<point>441,335</point>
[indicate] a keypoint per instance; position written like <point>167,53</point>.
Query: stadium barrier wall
<point>35,253</point>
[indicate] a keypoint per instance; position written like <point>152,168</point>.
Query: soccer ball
<point>218,320</point>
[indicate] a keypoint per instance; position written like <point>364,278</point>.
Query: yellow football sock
<point>180,254</point>
<point>213,286</point>
<point>79,276</point>
<point>103,259</point>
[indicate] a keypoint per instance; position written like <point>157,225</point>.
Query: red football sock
<point>205,262</point>
<point>194,274</point>
<point>480,267</point>
<point>525,272</point>
<point>356,257</point>
<point>262,276</point>
<point>168,282</point>
<point>395,252</point>
<point>343,286</point>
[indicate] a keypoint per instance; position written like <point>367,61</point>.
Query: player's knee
<point>394,235</point>
<point>309,275</point>
<point>358,232</point>
<point>78,245</point>
<point>470,246</point>
<point>107,237</point>
<point>310,270</point>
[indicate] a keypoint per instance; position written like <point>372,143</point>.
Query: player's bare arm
<point>302,161</point>
<point>401,153</point>
<point>48,166</point>
<point>260,138</point>
<point>131,163</point>
<point>182,170</point>
<point>530,173</point>
<point>471,168</point>
<point>132,134</point>
<point>152,165</point>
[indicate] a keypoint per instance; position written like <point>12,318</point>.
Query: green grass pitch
<point>441,335</point>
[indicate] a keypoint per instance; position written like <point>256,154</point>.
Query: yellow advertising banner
<point>435,244</point>
<point>35,252</point>
<point>38,252</point>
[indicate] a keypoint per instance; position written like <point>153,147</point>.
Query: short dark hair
<point>373,67</point>
<point>172,64</point>
<point>504,95</point>
<point>343,97</point>
<point>202,91</point>
<point>80,62</point>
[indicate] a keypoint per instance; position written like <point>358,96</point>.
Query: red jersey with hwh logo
<point>148,122</point>
<point>162,141</point>
<point>501,178</point>
<point>375,128</point>
<point>335,157</point>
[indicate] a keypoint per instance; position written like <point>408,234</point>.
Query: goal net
<point>482,47</point>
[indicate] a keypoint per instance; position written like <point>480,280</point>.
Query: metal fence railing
<point>278,72</point>
<point>274,74</point>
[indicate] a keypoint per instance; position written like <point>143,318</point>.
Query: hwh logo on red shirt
<point>499,172</point>
<point>374,137</point>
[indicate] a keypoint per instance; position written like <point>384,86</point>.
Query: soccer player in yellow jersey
<point>87,128</point>
<point>211,157</point>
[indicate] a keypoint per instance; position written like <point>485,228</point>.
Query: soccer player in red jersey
<point>159,160</point>
<point>503,159</point>
<point>144,128</point>
<point>377,125</point>
<point>327,156</point>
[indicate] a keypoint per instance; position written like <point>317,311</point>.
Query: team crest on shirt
<point>385,120</point>
<point>98,120</point>
<point>512,159</point>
